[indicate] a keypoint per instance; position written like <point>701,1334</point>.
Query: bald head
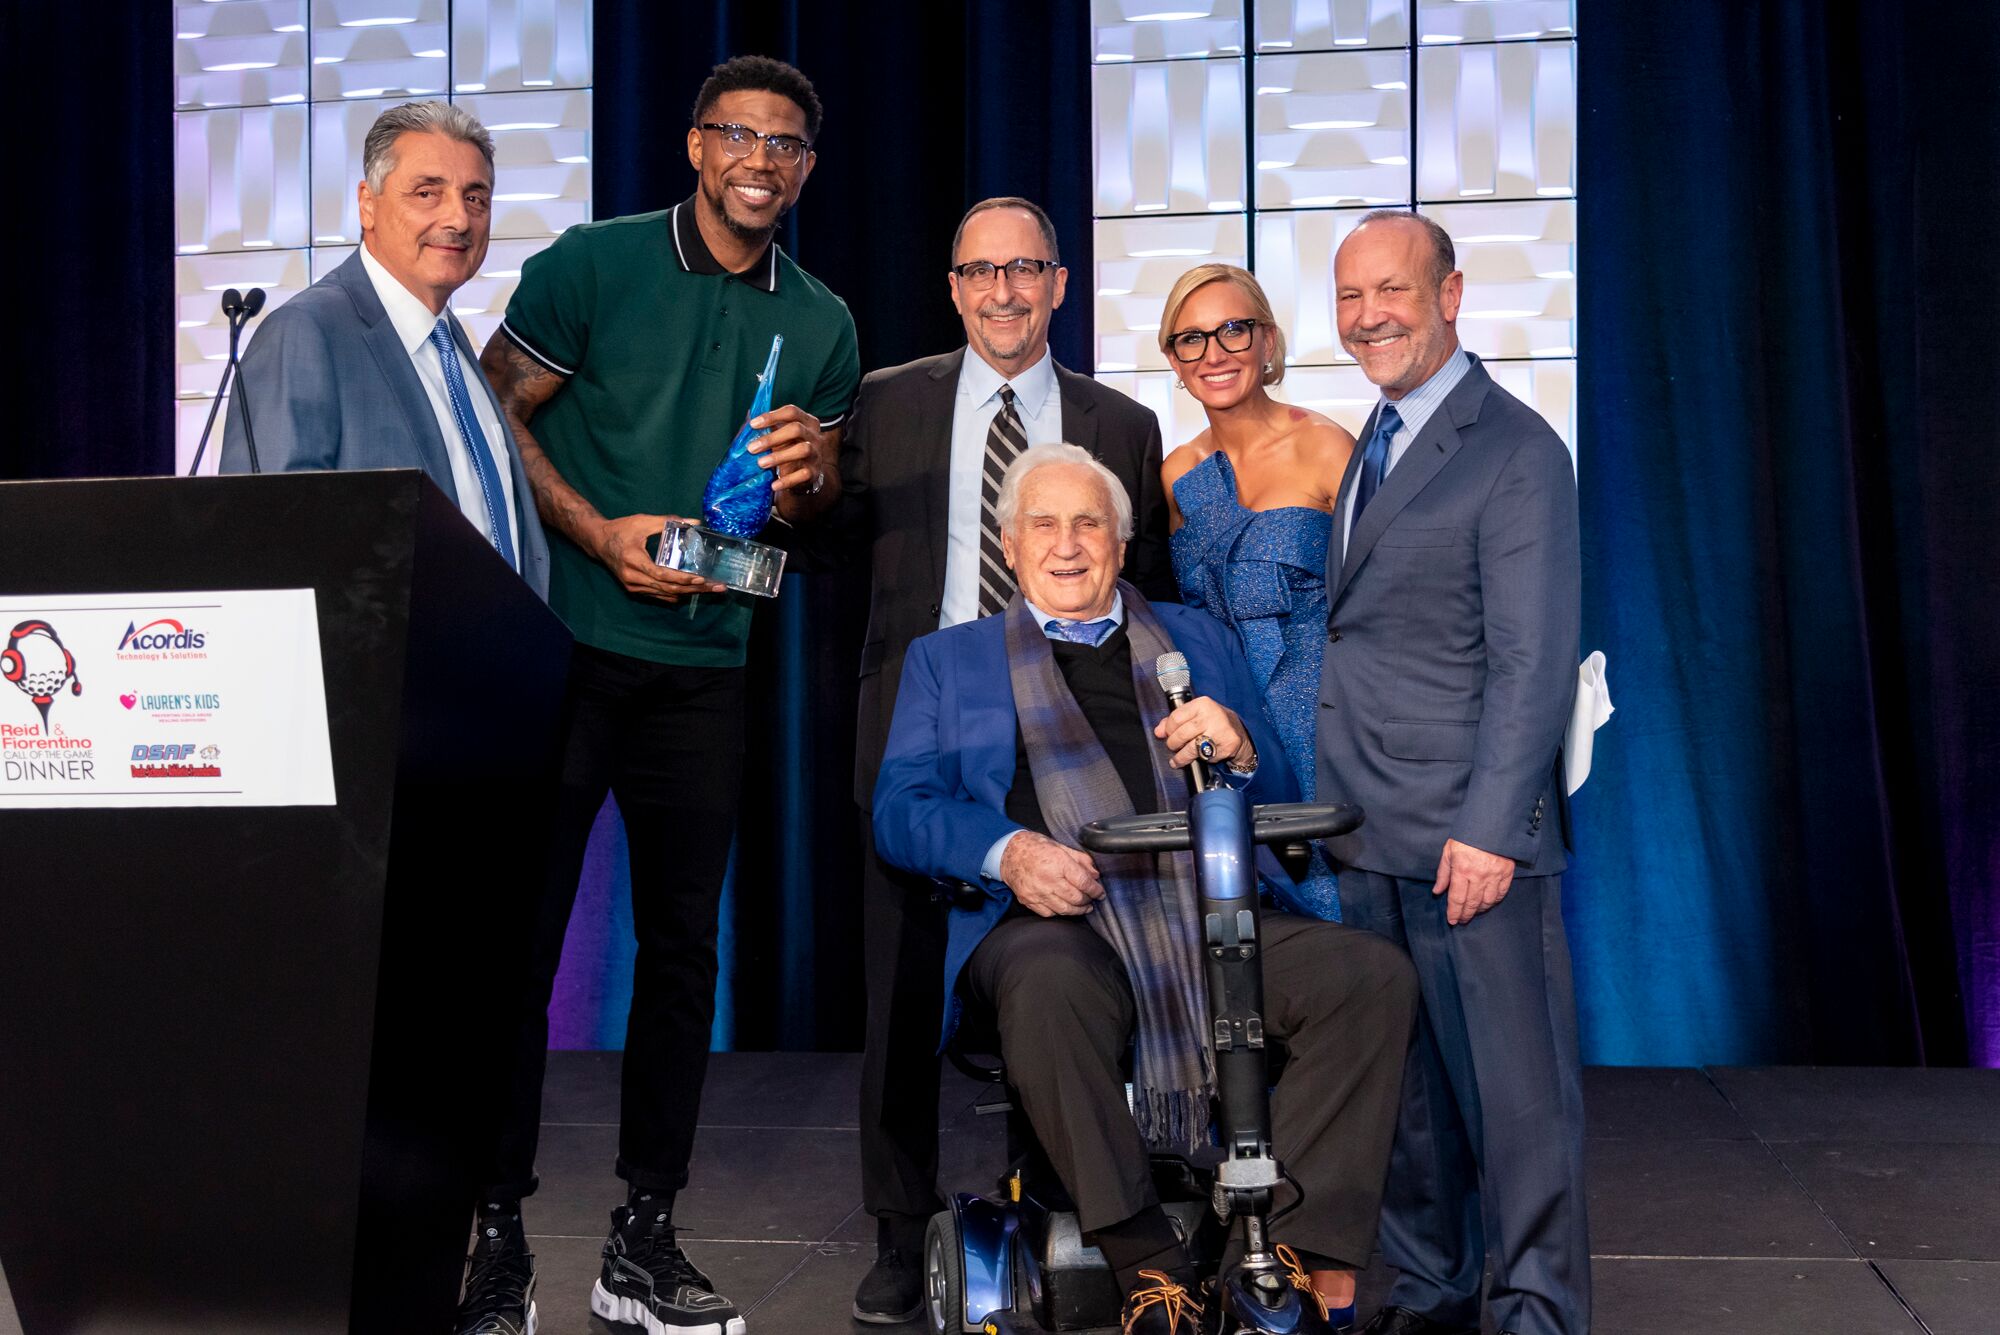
<point>1398,296</point>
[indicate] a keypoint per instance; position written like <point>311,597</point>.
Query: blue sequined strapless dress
<point>1263,573</point>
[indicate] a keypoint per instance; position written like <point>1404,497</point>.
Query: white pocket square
<point>1593,707</point>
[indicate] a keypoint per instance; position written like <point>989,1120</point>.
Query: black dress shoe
<point>893,1289</point>
<point>1402,1321</point>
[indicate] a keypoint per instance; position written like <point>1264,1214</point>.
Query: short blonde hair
<point>1245,282</point>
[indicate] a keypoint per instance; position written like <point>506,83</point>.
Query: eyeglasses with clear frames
<point>1191,345</point>
<point>1021,272</point>
<point>740,141</point>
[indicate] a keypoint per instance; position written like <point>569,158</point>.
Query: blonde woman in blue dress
<point>1251,503</point>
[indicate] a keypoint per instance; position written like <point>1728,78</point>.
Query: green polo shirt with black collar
<point>660,348</point>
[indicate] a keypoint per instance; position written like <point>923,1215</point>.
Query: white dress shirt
<point>1038,400</point>
<point>414,321</point>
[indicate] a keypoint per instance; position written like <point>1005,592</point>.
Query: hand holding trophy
<point>735,507</point>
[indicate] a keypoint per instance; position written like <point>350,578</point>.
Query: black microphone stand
<point>238,309</point>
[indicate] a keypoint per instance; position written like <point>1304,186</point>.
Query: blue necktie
<point>1081,632</point>
<point>475,442</point>
<point>1375,459</point>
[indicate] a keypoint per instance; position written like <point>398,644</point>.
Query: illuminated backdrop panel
<point>1259,131</point>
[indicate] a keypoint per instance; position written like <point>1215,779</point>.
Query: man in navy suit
<point>1449,674</point>
<point>1011,731</point>
<point>368,369</point>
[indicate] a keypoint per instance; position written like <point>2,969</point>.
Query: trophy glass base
<point>737,563</point>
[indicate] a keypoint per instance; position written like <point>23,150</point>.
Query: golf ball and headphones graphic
<point>36,662</point>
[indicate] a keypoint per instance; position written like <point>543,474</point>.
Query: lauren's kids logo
<point>162,639</point>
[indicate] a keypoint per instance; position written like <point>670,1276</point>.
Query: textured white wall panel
<point>1497,120</point>
<point>1169,137</point>
<point>1333,128</point>
<point>1325,25</point>
<point>1165,29</point>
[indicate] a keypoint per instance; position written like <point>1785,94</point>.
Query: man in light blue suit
<point>1449,674</point>
<point>368,369</point>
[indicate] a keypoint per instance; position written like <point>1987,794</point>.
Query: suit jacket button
<point>1332,635</point>
<point>934,609</point>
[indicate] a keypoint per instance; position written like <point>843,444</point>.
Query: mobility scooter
<point>1014,1262</point>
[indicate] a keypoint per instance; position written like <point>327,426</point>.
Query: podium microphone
<point>1171,671</point>
<point>239,309</point>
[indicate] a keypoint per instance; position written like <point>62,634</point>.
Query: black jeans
<point>667,742</point>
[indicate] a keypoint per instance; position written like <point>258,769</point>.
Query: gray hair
<point>378,150</point>
<point>1443,257</point>
<point>1007,509</point>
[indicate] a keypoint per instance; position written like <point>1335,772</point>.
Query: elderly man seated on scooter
<point>1013,732</point>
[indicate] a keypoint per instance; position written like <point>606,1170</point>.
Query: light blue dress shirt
<point>1038,400</point>
<point>1415,409</point>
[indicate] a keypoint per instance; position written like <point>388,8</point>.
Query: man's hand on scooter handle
<point>1183,730</point>
<point>1049,878</point>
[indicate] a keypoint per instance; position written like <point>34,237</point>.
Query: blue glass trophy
<point>735,507</point>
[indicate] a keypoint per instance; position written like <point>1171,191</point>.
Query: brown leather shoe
<point>1160,1306</point>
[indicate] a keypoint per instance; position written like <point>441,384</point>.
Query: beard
<point>743,231</point>
<point>1005,353</point>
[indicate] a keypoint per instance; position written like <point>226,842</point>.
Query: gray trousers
<point>1489,1154</point>
<point>1343,1001</point>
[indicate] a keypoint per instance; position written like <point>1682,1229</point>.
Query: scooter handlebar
<point>1167,831</point>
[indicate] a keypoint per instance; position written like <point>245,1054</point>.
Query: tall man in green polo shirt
<point>627,359</point>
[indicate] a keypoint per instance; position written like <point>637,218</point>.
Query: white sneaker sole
<point>531,1320</point>
<point>632,1312</point>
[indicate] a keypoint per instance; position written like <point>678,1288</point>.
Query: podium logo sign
<point>161,639</point>
<point>183,680</point>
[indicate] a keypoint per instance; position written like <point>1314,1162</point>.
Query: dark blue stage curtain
<point>929,107</point>
<point>1790,470</point>
<point>87,337</point>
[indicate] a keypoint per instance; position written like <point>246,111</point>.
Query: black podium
<point>247,1054</point>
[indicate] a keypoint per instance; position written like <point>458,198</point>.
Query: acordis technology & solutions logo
<point>175,760</point>
<point>160,640</point>
<point>36,662</point>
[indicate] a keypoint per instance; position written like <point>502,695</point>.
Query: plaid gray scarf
<point>1149,912</point>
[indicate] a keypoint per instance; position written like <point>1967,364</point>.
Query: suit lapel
<point>986,693</point>
<point>937,397</point>
<point>1422,461</point>
<point>1079,410</point>
<point>413,405</point>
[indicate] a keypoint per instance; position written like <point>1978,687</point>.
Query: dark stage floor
<point>1780,1201</point>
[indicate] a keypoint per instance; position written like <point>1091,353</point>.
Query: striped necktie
<point>1005,440</point>
<point>475,442</point>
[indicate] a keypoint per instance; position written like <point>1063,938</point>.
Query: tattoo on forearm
<point>523,386</point>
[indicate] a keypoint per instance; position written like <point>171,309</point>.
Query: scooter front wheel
<point>944,1276</point>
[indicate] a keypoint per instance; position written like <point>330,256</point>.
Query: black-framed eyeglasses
<point>1021,272</point>
<point>740,141</point>
<point>1191,345</point>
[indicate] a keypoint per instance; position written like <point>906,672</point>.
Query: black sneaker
<point>893,1289</point>
<point>649,1282</point>
<point>499,1284</point>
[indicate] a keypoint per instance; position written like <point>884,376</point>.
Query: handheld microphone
<point>1171,671</point>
